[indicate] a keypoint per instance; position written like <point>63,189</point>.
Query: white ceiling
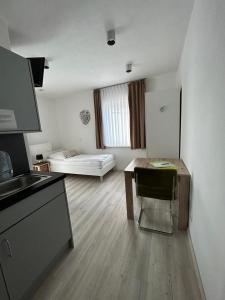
<point>72,35</point>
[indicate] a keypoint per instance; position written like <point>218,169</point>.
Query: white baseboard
<point>202,292</point>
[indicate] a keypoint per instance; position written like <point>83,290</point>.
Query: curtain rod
<point>119,84</point>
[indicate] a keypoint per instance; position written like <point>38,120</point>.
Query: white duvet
<point>94,160</point>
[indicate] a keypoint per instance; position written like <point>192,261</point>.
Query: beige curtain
<point>98,120</point>
<point>136,99</point>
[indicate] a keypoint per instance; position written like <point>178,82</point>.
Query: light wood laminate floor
<point>112,258</point>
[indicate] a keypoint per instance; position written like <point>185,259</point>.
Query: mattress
<point>97,161</point>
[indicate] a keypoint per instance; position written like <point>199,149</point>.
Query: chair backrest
<point>155,183</point>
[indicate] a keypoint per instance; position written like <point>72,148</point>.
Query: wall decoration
<point>85,116</point>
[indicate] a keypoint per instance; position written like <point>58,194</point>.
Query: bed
<point>80,164</point>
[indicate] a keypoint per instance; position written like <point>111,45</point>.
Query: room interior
<point>126,110</point>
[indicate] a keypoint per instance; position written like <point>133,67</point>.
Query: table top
<point>145,163</point>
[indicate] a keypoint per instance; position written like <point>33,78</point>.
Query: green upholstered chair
<point>157,184</point>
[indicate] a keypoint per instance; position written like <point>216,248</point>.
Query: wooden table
<point>183,187</point>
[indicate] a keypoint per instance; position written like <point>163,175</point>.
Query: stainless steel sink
<point>20,183</point>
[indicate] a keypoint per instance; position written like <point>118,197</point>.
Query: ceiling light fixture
<point>129,68</point>
<point>111,37</point>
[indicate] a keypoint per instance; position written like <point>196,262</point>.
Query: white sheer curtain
<point>116,116</point>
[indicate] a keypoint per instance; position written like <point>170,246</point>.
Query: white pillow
<point>70,153</point>
<point>63,154</point>
<point>57,155</point>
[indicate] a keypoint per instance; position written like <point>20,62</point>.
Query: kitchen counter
<point>12,199</point>
<point>35,232</point>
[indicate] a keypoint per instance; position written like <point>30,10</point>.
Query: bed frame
<point>57,166</point>
<point>70,169</point>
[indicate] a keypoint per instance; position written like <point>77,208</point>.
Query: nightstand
<point>43,166</point>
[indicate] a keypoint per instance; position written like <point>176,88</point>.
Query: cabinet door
<point>18,107</point>
<point>30,246</point>
<point>3,292</point>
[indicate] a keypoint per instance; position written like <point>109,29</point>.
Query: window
<point>116,116</point>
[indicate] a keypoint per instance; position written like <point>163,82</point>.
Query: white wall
<point>163,142</point>
<point>49,124</point>
<point>167,81</point>
<point>73,134</point>
<point>162,134</point>
<point>202,71</point>
<point>62,126</point>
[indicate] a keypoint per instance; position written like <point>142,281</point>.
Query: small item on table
<point>163,164</point>
<point>43,166</point>
<point>39,158</point>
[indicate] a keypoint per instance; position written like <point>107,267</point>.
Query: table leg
<point>129,195</point>
<point>183,198</point>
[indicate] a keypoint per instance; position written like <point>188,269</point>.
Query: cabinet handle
<point>9,248</point>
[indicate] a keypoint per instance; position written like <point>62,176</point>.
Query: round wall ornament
<point>85,116</point>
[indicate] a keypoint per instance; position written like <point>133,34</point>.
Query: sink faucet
<point>6,169</point>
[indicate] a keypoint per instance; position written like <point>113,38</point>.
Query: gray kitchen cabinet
<point>28,247</point>
<point>18,107</point>
<point>3,291</point>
